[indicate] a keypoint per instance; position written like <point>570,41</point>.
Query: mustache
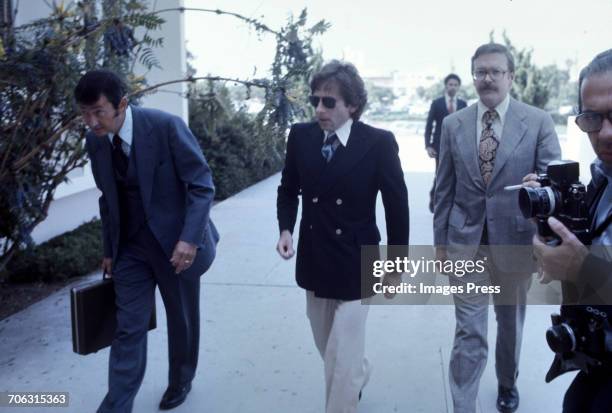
<point>488,87</point>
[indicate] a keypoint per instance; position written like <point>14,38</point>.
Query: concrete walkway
<point>257,352</point>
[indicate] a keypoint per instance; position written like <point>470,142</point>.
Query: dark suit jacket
<point>437,112</point>
<point>175,184</point>
<point>339,204</point>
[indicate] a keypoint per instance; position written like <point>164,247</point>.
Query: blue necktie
<point>330,146</point>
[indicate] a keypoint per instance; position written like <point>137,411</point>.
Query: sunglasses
<point>592,121</point>
<point>328,101</point>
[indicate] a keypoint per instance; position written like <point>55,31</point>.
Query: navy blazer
<point>437,112</point>
<point>339,205</point>
<point>175,184</point>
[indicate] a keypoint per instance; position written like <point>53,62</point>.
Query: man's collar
<point>343,132</point>
<point>126,131</point>
<point>601,171</point>
<point>501,108</point>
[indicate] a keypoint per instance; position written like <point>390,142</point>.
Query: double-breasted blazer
<point>339,205</point>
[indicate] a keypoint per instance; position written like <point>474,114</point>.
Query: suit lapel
<point>345,158</point>
<point>444,107</point>
<point>313,161</point>
<point>512,134</point>
<point>466,143</point>
<point>144,153</point>
<point>106,174</point>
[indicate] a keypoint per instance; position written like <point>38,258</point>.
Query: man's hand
<point>431,152</point>
<point>441,253</point>
<point>285,245</point>
<point>531,180</point>
<point>564,261</point>
<point>183,255</point>
<point>107,267</point>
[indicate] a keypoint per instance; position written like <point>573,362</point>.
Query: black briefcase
<point>94,316</point>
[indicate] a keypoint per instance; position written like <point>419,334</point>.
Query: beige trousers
<point>338,328</point>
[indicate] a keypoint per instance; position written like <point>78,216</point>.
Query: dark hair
<point>350,84</point>
<point>489,48</point>
<point>96,83</point>
<point>601,63</point>
<point>451,77</point>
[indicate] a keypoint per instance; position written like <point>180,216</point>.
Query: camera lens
<point>561,338</point>
<point>536,201</point>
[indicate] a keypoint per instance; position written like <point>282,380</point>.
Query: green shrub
<point>71,254</point>
<point>239,151</point>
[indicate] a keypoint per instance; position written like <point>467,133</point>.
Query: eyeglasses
<point>592,121</point>
<point>328,101</point>
<point>494,74</point>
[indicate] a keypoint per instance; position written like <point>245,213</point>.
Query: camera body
<point>581,337</point>
<point>561,195</point>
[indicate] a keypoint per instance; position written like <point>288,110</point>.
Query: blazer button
<point>315,200</point>
<point>338,231</point>
<point>310,226</point>
<point>338,201</point>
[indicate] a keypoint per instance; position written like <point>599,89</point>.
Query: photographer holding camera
<point>581,336</point>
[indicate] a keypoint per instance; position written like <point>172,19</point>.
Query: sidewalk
<point>257,353</point>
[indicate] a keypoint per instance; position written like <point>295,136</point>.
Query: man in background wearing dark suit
<point>157,191</point>
<point>440,108</point>
<point>339,165</point>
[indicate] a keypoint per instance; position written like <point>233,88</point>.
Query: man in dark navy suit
<point>339,165</point>
<point>440,108</point>
<point>157,192</point>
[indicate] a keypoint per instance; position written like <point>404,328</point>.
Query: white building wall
<point>76,202</point>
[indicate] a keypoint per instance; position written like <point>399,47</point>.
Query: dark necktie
<point>120,159</point>
<point>487,148</point>
<point>330,146</point>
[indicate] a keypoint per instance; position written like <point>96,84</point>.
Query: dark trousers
<point>141,265</point>
<point>589,393</point>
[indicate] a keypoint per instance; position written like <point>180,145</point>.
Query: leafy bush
<point>71,254</point>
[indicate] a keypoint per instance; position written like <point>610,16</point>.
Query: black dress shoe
<point>507,399</point>
<point>174,397</point>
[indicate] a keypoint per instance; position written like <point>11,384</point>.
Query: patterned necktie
<point>120,159</point>
<point>451,106</point>
<point>487,146</point>
<point>330,146</point>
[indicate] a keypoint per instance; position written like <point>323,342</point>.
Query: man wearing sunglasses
<point>588,273</point>
<point>339,164</point>
<point>483,148</point>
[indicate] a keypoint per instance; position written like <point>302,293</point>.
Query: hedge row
<point>71,254</point>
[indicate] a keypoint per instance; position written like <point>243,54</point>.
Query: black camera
<point>581,337</point>
<point>561,195</point>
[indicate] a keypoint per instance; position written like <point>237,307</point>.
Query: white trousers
<point>338,328</point>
